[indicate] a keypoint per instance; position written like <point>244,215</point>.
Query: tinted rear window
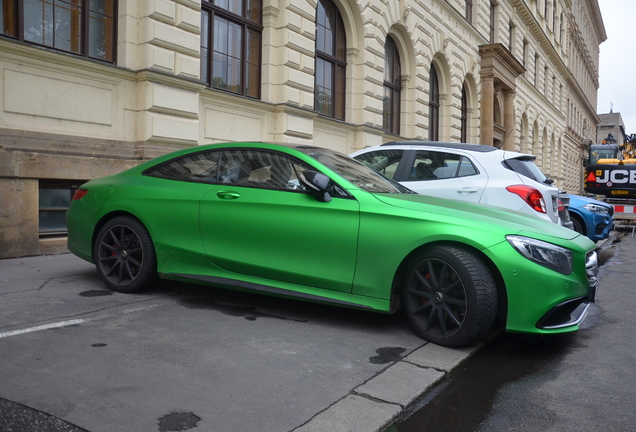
<point>525,167</point>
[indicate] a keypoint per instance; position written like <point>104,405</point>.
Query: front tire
<point>125,256</point>
<point>450,296</point>
<point>579,225</point>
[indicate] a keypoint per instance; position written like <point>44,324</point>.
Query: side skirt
<point>266,289</point>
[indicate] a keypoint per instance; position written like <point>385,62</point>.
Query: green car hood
<point>515,221</point>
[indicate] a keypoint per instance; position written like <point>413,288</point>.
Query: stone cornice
<point>504,56</point>
<point>542,39</point>
<point>597,19</point>
<point>574,85</point>
<point>33,55</point>
<point>39,57</point>
<point>581,47</point>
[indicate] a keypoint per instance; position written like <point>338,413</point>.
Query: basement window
<point>53,202</point>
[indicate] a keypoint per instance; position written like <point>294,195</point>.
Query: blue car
<point>591,217</point>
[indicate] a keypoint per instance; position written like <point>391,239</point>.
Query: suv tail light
<point>530,195</point>
<point>560,205</point>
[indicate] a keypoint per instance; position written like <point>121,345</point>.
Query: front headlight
<point>596,208</point>
<point>543,253</point>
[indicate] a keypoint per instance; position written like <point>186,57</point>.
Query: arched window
<point>331,47</point>
<point>231,45</point>
<point>392,88</point>
<point>433,106</point>
<point>464,117</point>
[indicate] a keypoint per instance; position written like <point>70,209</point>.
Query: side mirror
<point>316,183</point>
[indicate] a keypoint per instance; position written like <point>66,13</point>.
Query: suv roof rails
<point>462,146</point>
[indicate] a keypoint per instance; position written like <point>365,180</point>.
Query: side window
<point>466,168</point>
<point>383,161</point>
<point>261,169</point>
<point>430,165</point>
<point>81,27</point>
<point>231,32</point>
<point>198,167</point>
<point>423,166</point>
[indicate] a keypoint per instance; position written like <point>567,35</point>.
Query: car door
<point>258,221</point>
<point>444,174</point>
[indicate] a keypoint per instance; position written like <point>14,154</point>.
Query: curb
<point>373,405</point>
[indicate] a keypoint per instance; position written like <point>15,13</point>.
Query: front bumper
<point>602,229</point>
<point>598,225</point>
<point>543,301</point>
<point>573,312</point>
<point>567,314</point>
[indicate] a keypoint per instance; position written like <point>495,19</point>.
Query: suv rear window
<point>525,167</point>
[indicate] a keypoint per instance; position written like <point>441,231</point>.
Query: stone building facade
<point>90,88</point>
<point>586,32</point>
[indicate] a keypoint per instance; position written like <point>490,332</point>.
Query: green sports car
<point>310,223</point>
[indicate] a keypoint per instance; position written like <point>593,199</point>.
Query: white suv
<point>468,172</point>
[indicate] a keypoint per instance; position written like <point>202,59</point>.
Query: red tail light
<point>560,205</point>
<point>530,195</point>
<point>79,194</point>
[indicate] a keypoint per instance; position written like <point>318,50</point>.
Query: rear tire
<point>450,296</point>
<point>125,256</point>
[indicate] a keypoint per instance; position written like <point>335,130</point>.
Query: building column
<point>487,109</point>
<point>509,120</point>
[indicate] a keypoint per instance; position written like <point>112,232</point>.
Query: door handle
<point>228,195</point>
<point>467,189</point>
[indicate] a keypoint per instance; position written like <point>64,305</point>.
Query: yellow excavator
<point>611,176</point>
<point>610,153</point>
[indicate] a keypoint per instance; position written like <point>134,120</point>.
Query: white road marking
<point>43,327</point>
<point>141,308</point>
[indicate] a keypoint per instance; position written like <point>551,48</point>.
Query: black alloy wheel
<point>124,255</point>
<point>450,296</point>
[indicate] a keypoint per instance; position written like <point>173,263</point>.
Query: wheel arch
<point>400,274</point>
<point>580,219</point>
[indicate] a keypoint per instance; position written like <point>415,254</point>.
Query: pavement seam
<point>375,399</point>
<point>446,372</point>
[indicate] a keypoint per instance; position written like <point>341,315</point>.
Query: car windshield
<point>353,171</point>
<point>526,167</point>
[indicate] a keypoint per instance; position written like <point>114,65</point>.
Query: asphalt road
<point>182,356</point>
<point>78,357</point>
